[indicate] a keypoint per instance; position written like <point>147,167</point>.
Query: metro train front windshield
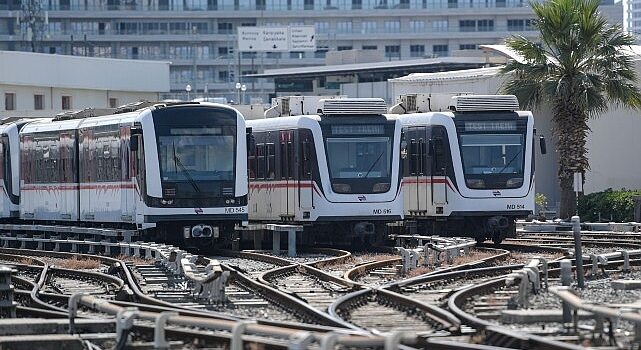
<point>493,153</point>
<point>359,157</point>
<point>196,151</point>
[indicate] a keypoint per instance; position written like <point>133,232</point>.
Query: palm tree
<point>581,66</point>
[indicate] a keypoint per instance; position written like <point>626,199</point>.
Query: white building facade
<point>33,84</point>
<point>199,37</point>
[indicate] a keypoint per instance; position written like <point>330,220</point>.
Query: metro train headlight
<point>514,182</point>
<point>475,183</point>
<point>341,188</point>
<point>380,187</point>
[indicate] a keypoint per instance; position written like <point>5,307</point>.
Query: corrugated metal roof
<point>371,67</point>
<point>452,75</point>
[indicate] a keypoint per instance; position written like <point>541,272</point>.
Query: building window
<point>273,55</point>
<point>439,50</point>
<point>225,28</point>
<point>467,47</point>
<point>66,102</point>
<point>467,25</point>
<point>440,26</point>
<point>485,25</point>
<point>113,102</point>
<point>357,4</point>
<point>297,55</point>
<point>10,101</point>
<point>322,27</point>
<point>370,47</point>
<point>223,51</point>
<point>519,24</point>
<point>38,102</point>
<point>343,48</point>
<point>392,26</point>
<point>321,51</point>
<point>368,27</point>
<point>308,4</point>
<point>417,26</point>
<point>344,27</point>
<point>393,51</point>
<point>223,76</point>
<point>417,50</point>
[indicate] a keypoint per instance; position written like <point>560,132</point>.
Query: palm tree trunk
<point>571,128</point>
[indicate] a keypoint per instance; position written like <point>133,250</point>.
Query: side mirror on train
<point>543,145</point>
<point>133,142</point>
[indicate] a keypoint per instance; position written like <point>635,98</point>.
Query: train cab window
<point>307,154</point>
<point>422,153</point>
<point>270,150</point>
<point>260,156</point>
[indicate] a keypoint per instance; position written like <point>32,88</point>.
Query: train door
<point>126,192</point>
<point>88,175</point>
<point>438,165</point>
<point>413,187</point>
<point>68,192</point>
<point>287,192</point>
<point>305,181</point>
<point>272,202</point>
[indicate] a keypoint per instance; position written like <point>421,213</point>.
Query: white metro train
<point>334,168</point>
<point>176,172</point>
<point>448,165</point>
<point>470,164</point>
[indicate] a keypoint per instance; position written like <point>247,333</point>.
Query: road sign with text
<point>299,38</point>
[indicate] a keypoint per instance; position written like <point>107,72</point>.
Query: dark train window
<point>413,157</point>
<point>283,161</point>
<point>251,162</point>
<point>291,161</point>
<point>270,150</point>
<point>421,156</point>
<point>260,156</point>
<point>307,154</point>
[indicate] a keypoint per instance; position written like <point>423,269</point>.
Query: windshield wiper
<point>184,170</point>
<point>510,162</point>
<point>373,164</point>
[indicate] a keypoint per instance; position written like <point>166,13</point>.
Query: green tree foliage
<point>581,65</point>
<point>615,206</point>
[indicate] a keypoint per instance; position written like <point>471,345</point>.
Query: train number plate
<point>381,211</point>
<point>235,210</point>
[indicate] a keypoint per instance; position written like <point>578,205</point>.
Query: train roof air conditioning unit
<point>296,105</point>
<point>352,106</point>
<point>480,103</point>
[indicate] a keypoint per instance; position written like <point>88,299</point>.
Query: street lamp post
<point>243,88</point>
<point>238,87</point>
<point>188,89</point>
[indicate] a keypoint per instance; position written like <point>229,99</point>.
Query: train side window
<point>271,160</point>
<point>291,161</point>
<point>251,162</point>
<point>422,154</point>
<point>413,157</point>
<point>307,158</point>
<point>283,161</point>
<point>260,156</point>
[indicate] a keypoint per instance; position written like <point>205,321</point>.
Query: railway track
<point>381,311</point>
